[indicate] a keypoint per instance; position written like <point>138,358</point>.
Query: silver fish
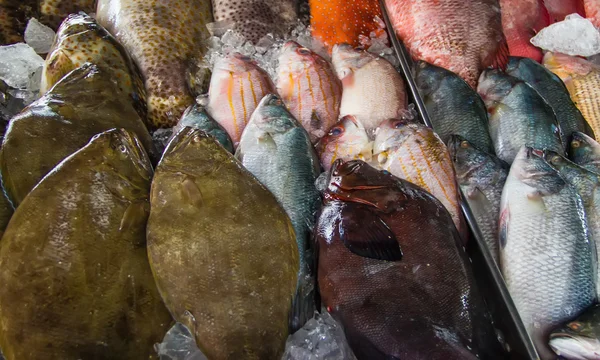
<point>579,339</point>
<point>585,151</point>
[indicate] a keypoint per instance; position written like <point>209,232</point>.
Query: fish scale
<point>585,152</point>
<point>521,20</point>
<point>592,11</point>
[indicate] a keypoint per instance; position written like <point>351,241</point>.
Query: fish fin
<point>303,304</point>
<point>503,226</point>
<point>536,200</point>
<point>191,192</point>
<point>315,120</point>
<point>500,58</point>
<point>371,237</point>
<point>134,217</point>
<point>477,200</point>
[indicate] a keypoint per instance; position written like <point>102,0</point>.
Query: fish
<point>165,39</point>
<point>82,104</point>
<point>400,290</point>
<point>347,140</point>
<point>585,152</point>
<point>481,177</point>
<point>521,20</point>
<point>415,153</point>
<point>554,92</point>
<point>582,79</point>
<point>309,88</point>
<point>463,36</point>
<point>545,250</point>
<point>592,11</point>
<point>518,115</point>
<point>373,91</point>
<point>335,22</point>
<point>559,9</point>
<point>222,250</point>
<point>53,12</point>
<point>579,339</point>
<point>13,19</point>
<point>196,117</point>
<point>277,150</point>
<point>453,106</point>
<point>79,40</point>
<point>76,282</point>
<point>236,86</point>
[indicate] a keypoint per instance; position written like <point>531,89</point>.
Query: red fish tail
<point>499,60</point>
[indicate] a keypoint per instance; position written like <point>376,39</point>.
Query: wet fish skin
<point>579,339</point>
<point>518,116</point>
<point>347,140</point>
<point>481,177</point>
<point>405,316</point>
<point>197,117</point>
<point>76,283</point>
<point>165,40</point>
<point>585,152</point>
<point>236,87</point>
<point>373,91</point>
<point>61,122</point>
<point>13,19</point>
<point>545,250</point>
<point>309,88</point>
<point>592,11</point>
<point>521,20</point>
<point>53,12</point>
<point>453,106</point>
<point>559,9</point>
<point>222,250</point>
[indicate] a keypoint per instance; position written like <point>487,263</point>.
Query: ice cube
<point>39,36</point>
<point>218,28</point>
<point>179,344</point>
<point>575,36</point>
<point>233,39</point>
<point>161,137</point>
<point>18,63</point>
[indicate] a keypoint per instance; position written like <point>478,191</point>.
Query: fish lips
<point>572,346</point>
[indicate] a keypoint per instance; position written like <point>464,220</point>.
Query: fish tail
<point>303,304</point>
<point>499,60</point>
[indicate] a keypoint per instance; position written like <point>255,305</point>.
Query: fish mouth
<point>574,347</point>
<point>290,45</point>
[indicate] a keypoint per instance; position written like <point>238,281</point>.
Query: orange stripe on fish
<point>230,98</point>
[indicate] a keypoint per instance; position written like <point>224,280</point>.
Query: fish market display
<point>373,91</point>
<point>277,150</point>
<point>236,86</point>
<point>76,283</point>
<point>579,339</point>
<point>585,152</point>
<point>481,177</point>
<point>13,19</point>
<point>553,90</point>
<point>592,11</point>
<point>518,115</point>
<point>401,290</point>
<point>347,140</point>
<point>582,79</point>
<point>84,103</point>
<point>309,88</point>
<point>463,36</point>
<point>453,106</point>
<point>521,20</point>
<point>165,40</point>
<point>559,9</point>
<point>196,117</point>
<point>545,250</point>
<point>53,12</point>
<point>340,21</point>
<point>413,152</point>
<point>222,250</point>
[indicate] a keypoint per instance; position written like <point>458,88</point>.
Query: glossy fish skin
<point>309,88</point>
<point>53,12</point>
<point>13,19</point>
<point>222,250</point>
<point>413,152</point>
<point>545,251</point>
<point>463,36</point>
<point>76,283</point>
<point>521,20</point>
<point>585,152</point>
<point>277,150</point>
<point>236,87</point>
<point>84,103</point>
<point>481,177</point>
<point>373,91</point>
<point>592,11</point>
<point>397,309</point>
<point>347,140</point>
<point>453,106</point>
<point>196,117</point>
<point>553,90</point>
<point>518,116</point>
<point>165,40</point>
<point>559,9</point>
<point>579,339</point>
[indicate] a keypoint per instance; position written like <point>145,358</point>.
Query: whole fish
<point>53,12</point>
<point>76,283</point>
<point>80,39</point>
<point>579,339</point>
<point>585,152</point>
<point>559,9</point>
<point>196,117</point>
<point>413,152</point>
<point>84,103</point>
<point>222,250</point>
<point>592,11</point>
<point>453,106</point>
<point>373,91</point>
<point>582,79</point>
<point>481,177</point>
<point>13,19</point>
<point>347,140</point>
<point>401,290</point>
<point>309,88</point>
<point>518,115</point>
<point>545,250</point>
<point>553,90</point>
<point>463,36</point>
<point>236,86</point>
<point>165,40</point>
<point>277,150</point>
<point>521,20</point>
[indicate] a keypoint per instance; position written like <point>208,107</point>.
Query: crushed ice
<point>574,36</point>
<point>179,344</point>
<point>39,36</point>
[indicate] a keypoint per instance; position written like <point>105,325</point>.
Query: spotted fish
<point>13,19</point>
<point>53,12</point>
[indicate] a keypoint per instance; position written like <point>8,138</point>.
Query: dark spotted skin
<point>13,19</point>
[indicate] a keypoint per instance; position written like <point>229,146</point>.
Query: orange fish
<point>592,11</point>
<point>521,20</point>
<point>559,9</point>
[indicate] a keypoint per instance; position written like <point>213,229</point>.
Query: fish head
<point>346,140</point>
<point>583,149</point>
<point>234,63</point>
<point>531,168</point>
<point>295,58</point>
<point>346,59</point>
<point>494,85</point>
<point>557,161</point>
<point>579,338</point>
<point>76,23</point>
<point>194,146</point>
<point>392,134</point>
<point>271,116</point>
<point>428,77</point>
<point>195,116</point>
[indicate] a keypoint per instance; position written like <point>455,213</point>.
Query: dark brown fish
<point>13,19</point>
<point>53,12</point>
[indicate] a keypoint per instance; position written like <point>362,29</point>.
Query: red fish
<point>592,11</point>
<point>559,9</point>
<point>521,20</point>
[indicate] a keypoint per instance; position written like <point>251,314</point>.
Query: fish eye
<point>556,159</point>
<point>575,143</point>
<point>397,124</point>
<point>122,148</point>
<point>196,138</point>
<point>576,326</point>
<point>464,144</point>
<point>336,131</point>
<point>303,51</point>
